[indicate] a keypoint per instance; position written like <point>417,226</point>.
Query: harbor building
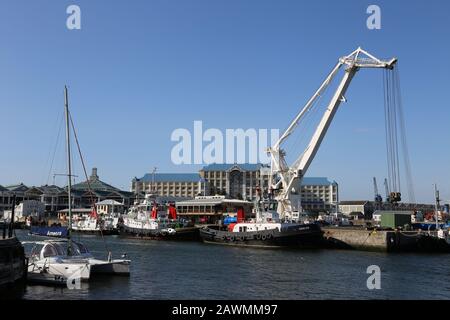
<point>236,181</point>
<point>179,185</point>
<point>367,208</point>
<point>96,190</point>
<point>240,181</point>
<point>109,207</point>
<point>55,198</point>
<point>212,209</point>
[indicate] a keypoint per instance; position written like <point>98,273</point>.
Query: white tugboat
<point>93,224</point>
<point>150,220</point>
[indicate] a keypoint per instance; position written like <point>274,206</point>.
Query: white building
<point>26,208</point>
<point>109,207</point>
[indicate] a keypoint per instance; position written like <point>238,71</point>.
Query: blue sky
<point>137,70</point>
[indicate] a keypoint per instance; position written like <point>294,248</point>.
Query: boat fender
<point>269,236</point>
<point>263,237</point>
<point>241,238</point>
<point>232,238</point>
<point>258,236</point>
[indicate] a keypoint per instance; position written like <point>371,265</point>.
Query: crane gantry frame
<point>282,175</point>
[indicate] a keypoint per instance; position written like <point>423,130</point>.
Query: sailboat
<point>57,260</point>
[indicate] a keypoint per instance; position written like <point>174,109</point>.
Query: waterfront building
<point>187,185</point>
<point>109,207</point>
<point>236,181</point>
<point>367,208</point>
<point>363,207</point>
<point>26,208</point>
<point>95,190</point>
<point>212,209</point>
<point>4,199</point>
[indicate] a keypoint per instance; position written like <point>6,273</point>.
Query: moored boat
<point>265,235</point>
<point>266,230</point>
<point>12,267</point>
<point>52,231</point>
<point>153,221</point>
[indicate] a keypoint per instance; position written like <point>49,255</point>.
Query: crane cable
<point>395,127</point>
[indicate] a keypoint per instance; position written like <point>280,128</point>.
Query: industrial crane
<point>377,197</point>
<point>386,189</point>
<point>283,176</point>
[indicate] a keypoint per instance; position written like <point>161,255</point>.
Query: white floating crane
<point>283,176</point>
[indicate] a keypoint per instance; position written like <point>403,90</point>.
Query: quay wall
<point>384,240</point>
<point>360,239</point>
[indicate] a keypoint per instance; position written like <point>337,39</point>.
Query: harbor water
<point>192,270</point>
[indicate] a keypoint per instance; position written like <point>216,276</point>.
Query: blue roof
<point>171,177</point>
<point>228,166</point>
<point>317,181</point>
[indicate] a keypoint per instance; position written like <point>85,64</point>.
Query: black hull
<point>304,236</point>
<point>91,232</point>
<point>181,234</point>
<point>13,268</point>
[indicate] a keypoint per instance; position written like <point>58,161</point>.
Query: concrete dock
<point>382,240</point>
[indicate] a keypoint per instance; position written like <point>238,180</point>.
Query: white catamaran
<point>57,260</point>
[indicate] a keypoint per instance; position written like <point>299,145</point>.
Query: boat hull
<point>69,268</point>
<point>115,267</point>
<point>297,236</point>
<point>108,232</point>
<point>59,232</point>
<point>12,268</point>
<point>181,234</point>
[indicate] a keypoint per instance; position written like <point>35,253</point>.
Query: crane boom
<point>286,174</point>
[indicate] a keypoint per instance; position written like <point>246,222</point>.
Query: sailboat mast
<point>69,163</point>
<point>436,206</point>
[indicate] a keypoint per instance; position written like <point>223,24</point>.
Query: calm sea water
<point>188,270</point>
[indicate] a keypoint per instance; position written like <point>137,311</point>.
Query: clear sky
<point>137,70</point>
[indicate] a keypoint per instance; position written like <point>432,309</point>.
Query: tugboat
<point>266,231</point>
<point>93,224</point>
<point>153,221</point>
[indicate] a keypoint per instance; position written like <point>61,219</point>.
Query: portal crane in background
<point>283,176</point>
<point>386,189</point>
<point>377,197</point>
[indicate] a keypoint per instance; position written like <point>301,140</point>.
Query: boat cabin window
<point>50,251</point>
<point>242,229</point>
<point>81,248</point>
